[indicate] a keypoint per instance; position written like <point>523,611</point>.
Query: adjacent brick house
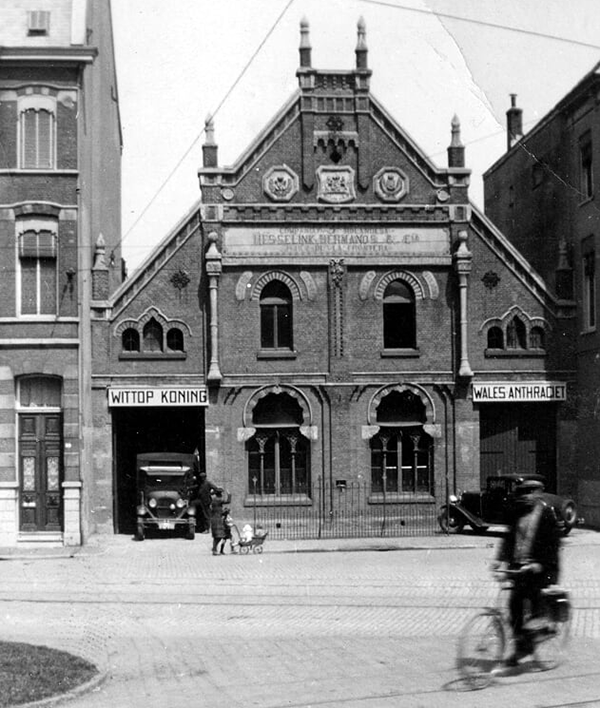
<point>542,194</point>
<point>334,314</point>
<point>60,148</point>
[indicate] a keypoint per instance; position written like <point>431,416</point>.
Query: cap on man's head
<point>528,486</point>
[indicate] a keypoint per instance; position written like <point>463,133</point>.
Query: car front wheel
<point>450,521</point>
<point>569,516</point>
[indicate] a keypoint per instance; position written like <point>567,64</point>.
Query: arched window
<point>130,340</point>
<point>401,452</point>
<point>399,317</point>
<point>537,338</point>
<point>175,340</point>
<point>278,454</point>
<point>495,338</point>
<point>516,334</point>
<point>276,316</point>
<point>153,336</point>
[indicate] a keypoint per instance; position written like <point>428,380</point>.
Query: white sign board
<point>149,396</point>
<point>327,241</point>
<point>520,392</point>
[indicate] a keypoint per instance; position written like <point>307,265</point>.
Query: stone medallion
<point>390,184</point>
<point>280,183</point>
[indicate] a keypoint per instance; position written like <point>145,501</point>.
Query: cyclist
<point>532,548</point>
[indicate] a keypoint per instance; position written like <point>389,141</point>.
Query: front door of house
<point>40,471</point>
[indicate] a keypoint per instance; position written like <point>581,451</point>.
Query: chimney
<point>209,149</point>
<point>456,151</point>
<point>514,122</point>
<point>305,47</point>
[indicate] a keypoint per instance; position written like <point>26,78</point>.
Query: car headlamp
<point>180,503</point>
<point>152,503</point>
<point>453,498</point>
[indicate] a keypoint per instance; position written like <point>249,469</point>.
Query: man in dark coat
<point>531,547</point>
<point>203,501</point>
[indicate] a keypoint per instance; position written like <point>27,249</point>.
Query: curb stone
<point>83,688</point>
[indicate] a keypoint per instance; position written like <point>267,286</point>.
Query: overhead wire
<point>213,114</point>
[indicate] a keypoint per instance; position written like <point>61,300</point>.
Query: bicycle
<point>483,643</point>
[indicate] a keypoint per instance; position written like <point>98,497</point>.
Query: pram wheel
<point>244,550</point>
<point>258,549</point>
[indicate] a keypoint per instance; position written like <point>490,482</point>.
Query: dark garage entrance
<point>519,437</point>
<point>140,429</point>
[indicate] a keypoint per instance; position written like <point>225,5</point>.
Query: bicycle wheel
<point>550,642</point>
<point>480,649</point>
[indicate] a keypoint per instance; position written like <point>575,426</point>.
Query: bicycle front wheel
<point>550,643</point>
<point>480,649</point>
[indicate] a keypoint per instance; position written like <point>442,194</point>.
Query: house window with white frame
<point>37,281</point>
<point>37,132</point>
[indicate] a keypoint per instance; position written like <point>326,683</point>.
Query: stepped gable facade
<point>334,315</point>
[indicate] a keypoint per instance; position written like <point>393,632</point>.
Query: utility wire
<point>482,23</point>
<point>218,108</point>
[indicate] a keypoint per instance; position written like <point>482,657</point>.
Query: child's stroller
<point>250,539</point>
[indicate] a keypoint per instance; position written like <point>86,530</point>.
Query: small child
<point>247,533</point>
<point>229,524</point>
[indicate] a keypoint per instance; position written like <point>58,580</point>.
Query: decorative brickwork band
<point>337,277</point>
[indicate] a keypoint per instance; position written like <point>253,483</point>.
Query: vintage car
<point>166,488</point>
<point>493,505</point>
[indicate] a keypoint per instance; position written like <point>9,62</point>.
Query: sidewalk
<point>100,542</point>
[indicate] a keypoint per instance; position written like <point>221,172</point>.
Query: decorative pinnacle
<point>304,43</point>
<point>209,130</point>
<point>455,142</point>
<point>361,45</point>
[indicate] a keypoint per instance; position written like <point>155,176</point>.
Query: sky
<point>179,61</point>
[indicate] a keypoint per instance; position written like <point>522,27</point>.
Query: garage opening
<point>520,438</point>
<point>137,430</point>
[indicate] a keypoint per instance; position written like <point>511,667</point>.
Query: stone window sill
<point>400,353</point>
<point>515,353</point>
<point>402,498</point>
<point>276,354</point>
<point>279,500</point>
<point>148,356</point>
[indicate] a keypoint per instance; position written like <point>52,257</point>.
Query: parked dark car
<point>166,488</point>
<point>493,505</point>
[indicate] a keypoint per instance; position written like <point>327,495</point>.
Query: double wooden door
<point>519,438</point>
<point>40,471</point>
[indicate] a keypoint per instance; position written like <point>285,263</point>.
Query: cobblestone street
<point>359,628</point>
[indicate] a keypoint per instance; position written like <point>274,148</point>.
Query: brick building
<point>60,148</point>
<point>542,194</point>
<point>333,316</point>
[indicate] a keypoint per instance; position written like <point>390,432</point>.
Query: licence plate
<point>166,525</point>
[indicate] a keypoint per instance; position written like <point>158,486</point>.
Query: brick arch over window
<point>531,323</point>
<point>145,317</point>
<point>408,278</point>
<point>288,280</point>
<point>417,390</point>
<point>277,389</point>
